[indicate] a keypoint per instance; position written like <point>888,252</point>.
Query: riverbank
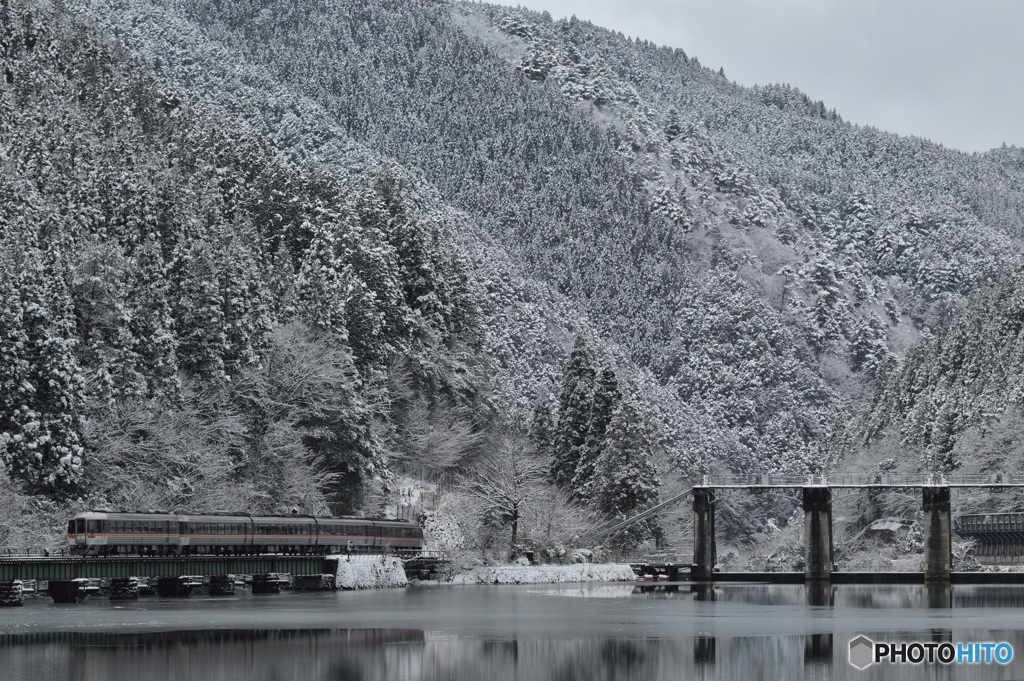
<point>547,574</point>
<point>381,572</point>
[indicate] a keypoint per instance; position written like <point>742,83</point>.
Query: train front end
<point>84,535</point>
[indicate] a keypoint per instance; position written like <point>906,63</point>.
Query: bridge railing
<point>33,553</point>
<point>856,479</point>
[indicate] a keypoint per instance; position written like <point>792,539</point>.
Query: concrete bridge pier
<point>124,589</point>
<point>67,591</point>
<point>938,550</point>
<point>173,587</point>
<point>939,594</point>
<point>10,594</point>
<point>705,554</point>
<point>222,585</point>
<point>818,556</point>
<point>819,593</point>
<point>266,584</point>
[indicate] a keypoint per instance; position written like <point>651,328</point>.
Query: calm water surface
<point>563,633</point>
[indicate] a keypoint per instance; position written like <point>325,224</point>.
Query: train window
<point>93,526</point>
<point>80,525</point>
<point>71,527</point>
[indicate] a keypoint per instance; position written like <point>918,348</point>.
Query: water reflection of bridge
<point>707,651</point>
<point>817,493</point>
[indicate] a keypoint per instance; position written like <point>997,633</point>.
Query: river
<point>482,633</point>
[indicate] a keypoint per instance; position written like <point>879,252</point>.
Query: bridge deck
<point>77,567</point>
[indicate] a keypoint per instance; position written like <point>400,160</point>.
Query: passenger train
<point>159,533</point>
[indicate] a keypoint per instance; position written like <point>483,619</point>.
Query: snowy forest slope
<point>288,248</point>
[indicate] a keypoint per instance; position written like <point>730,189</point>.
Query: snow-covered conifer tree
<point>626,479</point>
<point>40,379</point>
<point>606,401</point>
<point>574,407</point>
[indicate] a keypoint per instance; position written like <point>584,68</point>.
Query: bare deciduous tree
<point>505,483</point>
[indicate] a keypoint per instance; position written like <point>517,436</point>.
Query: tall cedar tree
<point>542,425</point>
<point>607,399</point>
<point>627,480</point>
<point>574,406</point>
<point>40,379</point>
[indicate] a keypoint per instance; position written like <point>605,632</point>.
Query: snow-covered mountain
<point>263,248</point>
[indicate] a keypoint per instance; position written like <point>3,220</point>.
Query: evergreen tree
<point>323,284</point>
<point>574,407</point>
<point>626,479</point>
<point>40,379</point>
<point>673,128</point>
<point>606,401</point>
<point>542,426</point>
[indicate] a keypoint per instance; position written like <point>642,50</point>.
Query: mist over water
<point>526,632</point>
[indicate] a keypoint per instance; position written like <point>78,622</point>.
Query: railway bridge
<point>68,575</point>
<point>817,492</point>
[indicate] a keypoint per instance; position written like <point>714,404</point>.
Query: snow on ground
<point>547,574</point>
<point>441,528</point>
<point>369,572</point>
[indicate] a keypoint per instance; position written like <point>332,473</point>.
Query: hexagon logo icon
<point>862,652</point>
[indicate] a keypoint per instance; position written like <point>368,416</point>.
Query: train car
<point>140,533</point>
<point>346,535</point>
<point>284,534</point>
<point>216,533</point>
<point>398,534</point>
<point>159,533</point>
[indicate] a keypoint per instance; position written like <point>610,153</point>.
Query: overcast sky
<point>948,70</point>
